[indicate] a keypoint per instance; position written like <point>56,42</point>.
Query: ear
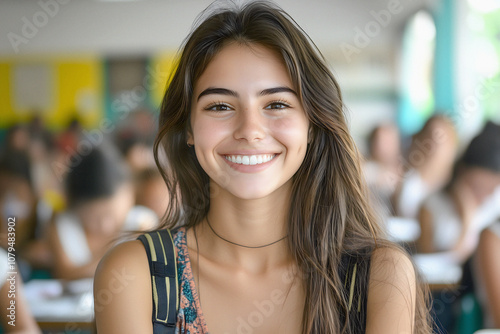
<point>309,135</point>
<point>190,139</point>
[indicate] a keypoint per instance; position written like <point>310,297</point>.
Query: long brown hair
<point>329,213</point>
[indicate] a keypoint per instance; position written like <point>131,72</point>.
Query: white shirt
<point>4,267</point>
<point>74,240</point>
<point>447,224</point>
<point>413,191</point>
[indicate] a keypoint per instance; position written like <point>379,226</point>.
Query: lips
<point>250,160</point>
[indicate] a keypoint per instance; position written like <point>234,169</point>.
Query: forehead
<point>244,66</point>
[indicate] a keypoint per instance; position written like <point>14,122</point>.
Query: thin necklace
<point>234,243</point>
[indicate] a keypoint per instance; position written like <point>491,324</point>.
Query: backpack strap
<point>355,273</point>
<point>163,269</point>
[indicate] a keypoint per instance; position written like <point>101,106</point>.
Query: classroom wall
<point>75,39</point>
<point>363,59</point>
<point>57,89</point>
<point>155,25</point>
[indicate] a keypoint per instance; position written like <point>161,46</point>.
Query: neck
<point>252,223</point>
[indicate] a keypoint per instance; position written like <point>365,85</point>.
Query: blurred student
<point>100,206</point>
<point>430,163</point>
<point>138,154</point>
<point>17,139</point>
<point>488,275</point>
<point>382,169</point>
<point>10,284</point>
<point>151,191</point>
<point>67,141</point>
<point>452,219</point>
<point>42,152</point>
<point>135,137</point>
<point>17,199</point>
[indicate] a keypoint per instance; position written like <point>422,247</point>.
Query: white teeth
<point>250,159</point>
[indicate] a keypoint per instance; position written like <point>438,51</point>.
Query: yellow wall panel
<point>7,115</point>
<point>79,92</point>
<point>161,68</point>
<point>76,91</point>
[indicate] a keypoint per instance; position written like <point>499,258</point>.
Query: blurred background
<point>80,86</point>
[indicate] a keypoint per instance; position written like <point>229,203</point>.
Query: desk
<point>61,305</point>
<point>401,229</point>
<point>439,270</point>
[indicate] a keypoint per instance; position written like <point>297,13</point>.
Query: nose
<point>250,125</point>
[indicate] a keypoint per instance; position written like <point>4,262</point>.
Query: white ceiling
<point>149,26</point>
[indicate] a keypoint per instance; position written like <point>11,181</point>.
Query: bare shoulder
<point>391,292</point>
<point>122,290</point>
<point>389,262</point>
<point>127,254</point>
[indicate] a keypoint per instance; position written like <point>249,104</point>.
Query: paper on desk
<point>48,302</point>
<point>438,268</point>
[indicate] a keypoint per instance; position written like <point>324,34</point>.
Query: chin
<point>252,191</point>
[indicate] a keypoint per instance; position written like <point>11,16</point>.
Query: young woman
<point>266,197</point>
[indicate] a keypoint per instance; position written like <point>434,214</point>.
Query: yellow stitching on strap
<point>155,296</point>
<point>167,284</point>
<point>162,248</point>
<point>176,281</point>
<point>153,258</point>
<point>151,247</point>
<point>353,280</point>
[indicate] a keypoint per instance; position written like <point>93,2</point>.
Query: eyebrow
<point>225,91</point>
<point>282,89</point>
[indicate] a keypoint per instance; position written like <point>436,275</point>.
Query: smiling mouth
<point>250,159</point>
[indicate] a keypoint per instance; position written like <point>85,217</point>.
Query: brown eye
<point>218,107</point>
<point>278,105</point>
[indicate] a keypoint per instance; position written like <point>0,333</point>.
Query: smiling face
<point>249,128</point>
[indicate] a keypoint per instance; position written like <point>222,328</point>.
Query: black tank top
<point>354,271</point>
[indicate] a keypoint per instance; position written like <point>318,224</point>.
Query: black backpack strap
<point>355,273</point>
<point>163,269</point>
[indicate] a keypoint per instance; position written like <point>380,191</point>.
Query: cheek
<point>207,135</point>
<point>292,132</point>
<point>207,131</point>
